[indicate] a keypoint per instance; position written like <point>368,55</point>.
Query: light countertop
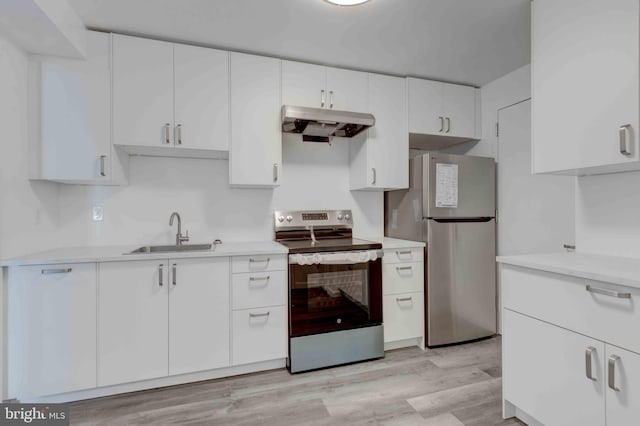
<point>117,253</point>
<point>616,270</point>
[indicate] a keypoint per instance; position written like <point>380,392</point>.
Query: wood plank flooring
<point>453,386</point>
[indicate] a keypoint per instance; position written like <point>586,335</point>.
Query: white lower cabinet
<point>51,329</point>
<point>562,371</point>
<point>160,318</point>
<point>259,334</point>
<point>403,296</point>
<point>132,321</point>
<point>198,314</point>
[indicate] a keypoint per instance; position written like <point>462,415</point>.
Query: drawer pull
<point>263,260</point>
<point>260,279</point>
<point>588,362</point>
<point>404,299</point>
<point>606,292</point>
<point>612,372</point>
<point>56,271</point>
<point>265,314</point>
<point>403,268</point>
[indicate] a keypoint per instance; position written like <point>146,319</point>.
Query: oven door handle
<point>335,258</point>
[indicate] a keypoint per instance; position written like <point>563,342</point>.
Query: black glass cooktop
<point>329,244</point>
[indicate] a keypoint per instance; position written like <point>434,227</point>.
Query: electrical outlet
<point>97,213</point>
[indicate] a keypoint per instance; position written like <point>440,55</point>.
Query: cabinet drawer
<point>403,255</point>
<point>266,262</point>
<point>402,277</point>
<point>403,316</point>
<point>254,290</point>
<point>564,301</point>
<point>259,334</point>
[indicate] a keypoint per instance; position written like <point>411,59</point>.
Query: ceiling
<point>462,41</point>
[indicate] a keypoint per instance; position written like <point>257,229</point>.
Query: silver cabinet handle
<point>322,98</point>
<point>403,268</point>
<point>331,99</point>
<point>167,136</point>
<point>275,172</point>
<point>441,124</point>
<point>258,260</point>
<point>403,252</point>
<point>588,362</point>
<point>266,314</point>
<point>55,271</point>
<point>178,136</point>
<point>373,170</point>
<point>448,125</point>
<point>160,274</point>
<point>102,169</point>
<point>253,279</point>
<point>612,372</point>
<point>404,299</point>
<point>175,273</point>
<point>624,139</point>
<point>606,292</point>
<point>569,247</point>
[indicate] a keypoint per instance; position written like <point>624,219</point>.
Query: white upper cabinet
<point>441,113</point>
<point>255,158</point>
<point>167,95</point>
<point>74,106</point>
<point>585,59</point>
<point>201,98</point>
<point>380,160</point>
<point>318,86</point>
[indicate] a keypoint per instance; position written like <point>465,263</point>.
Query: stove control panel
<point>292,220</point>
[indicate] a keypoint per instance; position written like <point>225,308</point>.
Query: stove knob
<point>347,216</point>
<point>281,219</point>
<point>340,216</point>
<point>289,218</point>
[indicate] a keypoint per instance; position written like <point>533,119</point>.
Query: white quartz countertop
<point>394,243</point>
<point>117,253</point>
<point>616,270</point>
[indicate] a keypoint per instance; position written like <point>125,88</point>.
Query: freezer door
<point>475,186</point>
<point>461,281</point>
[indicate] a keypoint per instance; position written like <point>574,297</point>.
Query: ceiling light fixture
<point>346,2</point>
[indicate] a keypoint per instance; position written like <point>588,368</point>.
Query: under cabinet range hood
<point>321,124</point>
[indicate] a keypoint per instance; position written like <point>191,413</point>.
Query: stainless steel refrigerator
<point>450,205</point>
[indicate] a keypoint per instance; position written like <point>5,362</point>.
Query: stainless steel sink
<point>172,248</point>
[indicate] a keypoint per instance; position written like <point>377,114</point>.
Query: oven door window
<point>327,298</point>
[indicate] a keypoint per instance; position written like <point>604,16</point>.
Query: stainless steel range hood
<point>321,124</point>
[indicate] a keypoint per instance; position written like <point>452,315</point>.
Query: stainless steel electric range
<point>335,290</point>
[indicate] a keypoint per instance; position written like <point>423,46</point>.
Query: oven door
<point>334,295</point>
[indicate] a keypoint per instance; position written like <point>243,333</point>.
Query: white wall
<point>28,210</point>
<point>507,90</point>
<point>608,214</point>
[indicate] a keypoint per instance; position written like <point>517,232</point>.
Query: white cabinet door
<point>585,85</point>
<point>132,322</point>
<point>403,316</point>
<point>623,407</point>
<point>52,329</point>
<point>201,98</point>
<point>426,108</point>
<point>142,92</point>
<point>255,157</point>
<point>259,335</point>
<point>304,85</point>
<point>347,90</point>
<point>545,372</point>
<point>198,314</point>
<point>459,110</point>
<point>75,115</point>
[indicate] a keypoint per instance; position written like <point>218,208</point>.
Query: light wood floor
<point>453,386</point>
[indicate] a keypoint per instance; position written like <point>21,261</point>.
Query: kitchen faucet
<point>179,237</point>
